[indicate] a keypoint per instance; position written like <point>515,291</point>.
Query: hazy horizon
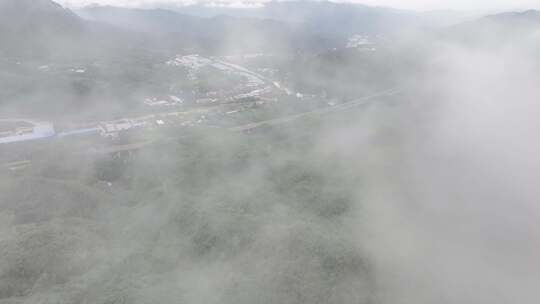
<point>417,5</point>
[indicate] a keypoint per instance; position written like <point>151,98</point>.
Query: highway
<point>330,109</point>
<point>114,149</point>
<point>17,165</point>
<point>272,122</point>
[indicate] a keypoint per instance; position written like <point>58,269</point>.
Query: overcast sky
<point>405,4</point>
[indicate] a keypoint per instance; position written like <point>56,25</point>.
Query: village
<point>167,110</point>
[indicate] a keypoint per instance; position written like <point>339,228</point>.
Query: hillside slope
<point>36,26</point>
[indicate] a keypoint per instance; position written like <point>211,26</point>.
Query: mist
<point>168,157</point>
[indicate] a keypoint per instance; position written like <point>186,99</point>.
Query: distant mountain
<point>335,17</point>
<point>37,15</point>
<point>215,34</point>
<point>32,26</point>
<point>526,18</point>
<point>323,17</point>
<point>446,18</point>
<point>498,29</point>
<point>277,25</point>
<point>315,17</point>
<point>43,29</point>
<point>143,20</point>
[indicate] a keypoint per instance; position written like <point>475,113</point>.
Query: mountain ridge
<point>30,26</point>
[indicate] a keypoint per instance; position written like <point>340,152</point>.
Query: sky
<point>403,4</point>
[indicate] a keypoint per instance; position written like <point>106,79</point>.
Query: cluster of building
<point>167,101</point>
<point>253,88</point>
<point>252,79</point>
<point>112,129</point>
<point>253,94</point>
<point>78,70</point>
<point>193,62</point>
<point>361,42</point>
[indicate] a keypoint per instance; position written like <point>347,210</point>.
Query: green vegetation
<point>265,212</point>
